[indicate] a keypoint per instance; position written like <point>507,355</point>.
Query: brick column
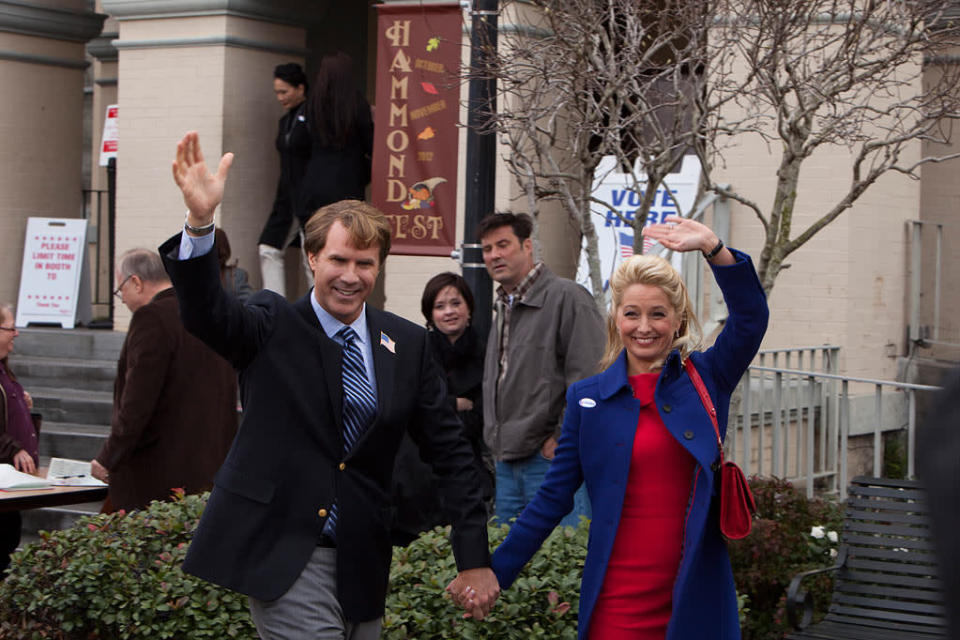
<point>41,119</point>
<point>208,66</point>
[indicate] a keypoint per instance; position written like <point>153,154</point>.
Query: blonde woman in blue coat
<point>639,436</point>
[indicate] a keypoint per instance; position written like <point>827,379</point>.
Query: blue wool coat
<point>596,446</point>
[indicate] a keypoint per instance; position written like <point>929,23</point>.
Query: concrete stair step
<point>72,440</point>
<point>84,344</point>
<point>53,518</point>
<point>69,373</point>
<point>48,371</point>
<point>64,404</point>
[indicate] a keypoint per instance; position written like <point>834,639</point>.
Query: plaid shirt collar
<point>528,280</point>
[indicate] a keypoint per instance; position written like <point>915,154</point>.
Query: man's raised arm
<point>202,191</point>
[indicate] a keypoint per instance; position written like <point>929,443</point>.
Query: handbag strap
<point>705,399</point>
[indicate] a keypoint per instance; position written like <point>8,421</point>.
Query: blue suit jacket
<point>596,446</point>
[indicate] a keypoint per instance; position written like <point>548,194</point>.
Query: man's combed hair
<point>366,224</point>
<point>143,263</point>
<point>521,223</point>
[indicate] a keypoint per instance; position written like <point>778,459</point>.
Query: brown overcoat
<point>174,410</point>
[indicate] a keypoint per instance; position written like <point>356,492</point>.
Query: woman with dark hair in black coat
<point>341,129</point>
<point>447,306</point>
<point>293,144</point>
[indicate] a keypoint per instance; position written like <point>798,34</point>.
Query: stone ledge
<point>291,12</point>
<point>209,41</point>
<point>47,22</point>
<point>50,61</point>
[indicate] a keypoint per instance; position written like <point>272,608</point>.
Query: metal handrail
<point>830,376</point>
<point>809,404</point>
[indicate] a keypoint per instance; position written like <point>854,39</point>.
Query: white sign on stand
<point>50,275</point>
<point>111,136</point>
<point>615,233</point>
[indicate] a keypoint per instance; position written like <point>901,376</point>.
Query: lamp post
<point>481,160</point>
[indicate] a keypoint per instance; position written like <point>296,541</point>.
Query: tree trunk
<point>654,180</point>
<point>589,231</point>
<point>781,220</point>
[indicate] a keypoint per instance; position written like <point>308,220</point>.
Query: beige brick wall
<point>41,107</point>
<point>251,112</point>
<point>225,93</point>
<point>847,284</point>
<point>939,205</point>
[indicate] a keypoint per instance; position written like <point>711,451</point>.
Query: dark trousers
<point>10,524</point>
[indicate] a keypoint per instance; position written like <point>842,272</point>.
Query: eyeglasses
<point>116,291</point>
<point>10,329</point>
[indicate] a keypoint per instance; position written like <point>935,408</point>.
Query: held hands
<point>202,190</point>
<point>475,590</point>
<point>682,234</point>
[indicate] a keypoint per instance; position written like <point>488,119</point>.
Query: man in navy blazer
<point>298,518</point>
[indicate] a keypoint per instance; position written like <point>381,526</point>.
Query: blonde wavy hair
<point>655,271</point>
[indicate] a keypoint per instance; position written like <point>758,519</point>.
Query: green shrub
<point>542,603</point>
<point>116,577</point>
<point>895,454</point>
<point>781,545</point>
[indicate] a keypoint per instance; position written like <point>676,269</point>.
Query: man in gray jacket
<point>548,334</point>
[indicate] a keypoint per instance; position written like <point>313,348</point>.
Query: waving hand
<point>202,190</point>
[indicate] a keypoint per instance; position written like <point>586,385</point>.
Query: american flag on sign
<point>648,244</point>
<point>626,245</point>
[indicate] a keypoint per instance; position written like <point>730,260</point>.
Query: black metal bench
<point>886,587</point>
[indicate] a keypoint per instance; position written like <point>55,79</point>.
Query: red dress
<point>636,598</point>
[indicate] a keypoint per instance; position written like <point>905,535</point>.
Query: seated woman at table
<point>18,434</point>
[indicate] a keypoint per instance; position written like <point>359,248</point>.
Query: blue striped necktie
<point>359,403</point>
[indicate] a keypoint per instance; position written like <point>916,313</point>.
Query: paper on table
<point>64,472</point>
<point>13,480</point>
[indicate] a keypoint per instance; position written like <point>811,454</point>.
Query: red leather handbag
<point>736,501</point>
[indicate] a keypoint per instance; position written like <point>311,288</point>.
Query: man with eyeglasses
<point>158,441</point>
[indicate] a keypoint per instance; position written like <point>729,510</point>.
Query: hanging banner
<point>50,274</point>
<point>415,148</point>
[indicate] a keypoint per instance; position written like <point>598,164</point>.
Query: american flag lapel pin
<point>388,342</point>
